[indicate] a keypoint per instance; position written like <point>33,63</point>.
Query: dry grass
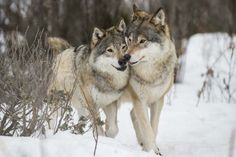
<point>25,107</point>
<point>222,81</point>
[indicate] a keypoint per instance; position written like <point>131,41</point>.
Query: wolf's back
<point>64,71</point>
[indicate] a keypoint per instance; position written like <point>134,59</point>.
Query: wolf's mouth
<point>122,68</point>
<point>133,63</point>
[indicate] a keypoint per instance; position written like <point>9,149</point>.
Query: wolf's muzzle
<point>127,57</point>
<point>122,68</point>
<point>132,63</point>
<point>123,61</point>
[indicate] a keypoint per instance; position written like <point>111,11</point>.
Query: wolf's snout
<point>127,57</point>
<point>122,62</point>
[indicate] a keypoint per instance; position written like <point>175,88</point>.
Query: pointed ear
<point>122,26</point>
<point>97,35</point>
<point>134,16</point>
<point>135,8</point>
<point>158,17</point>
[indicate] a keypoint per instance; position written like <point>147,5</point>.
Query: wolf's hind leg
<point>53,123</point>
<point>111,119</point>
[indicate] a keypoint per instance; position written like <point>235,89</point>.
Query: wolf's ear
<point>158,17</point>
<point>122,26</point>
<point>135,8</point>
<point>97,35</point>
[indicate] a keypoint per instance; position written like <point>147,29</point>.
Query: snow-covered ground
<point>186,129</point>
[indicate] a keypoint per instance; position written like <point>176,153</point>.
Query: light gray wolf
<point>98,67</point>
<point>152,62</point>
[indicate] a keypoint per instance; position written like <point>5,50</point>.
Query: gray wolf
<point>152,62</point>
<point>100,74</point>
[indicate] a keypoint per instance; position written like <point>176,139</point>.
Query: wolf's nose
<point>127,57</point>
<point>122,62</point>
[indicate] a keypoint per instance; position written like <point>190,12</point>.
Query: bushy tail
<point>57,45</point>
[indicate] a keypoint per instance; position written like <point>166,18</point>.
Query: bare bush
<point>219,77</point>
<point>25,106</point>
<point>23,85</point>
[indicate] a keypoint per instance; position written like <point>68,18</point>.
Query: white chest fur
<point>149,94</point>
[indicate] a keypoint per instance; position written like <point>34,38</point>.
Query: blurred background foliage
<point>74,20</point>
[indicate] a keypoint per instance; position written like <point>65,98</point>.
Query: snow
<point>203,51</point>
<point>24,7</point>
<point>13,7</point>
<point>186,129</point>
<point>65,144</point>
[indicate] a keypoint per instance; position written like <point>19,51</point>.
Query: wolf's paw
<point>141,144</point>
<point>112,132</point>
<point>157,152</point>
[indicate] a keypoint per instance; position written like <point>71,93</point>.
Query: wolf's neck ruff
<point>159,72</point>
<point>106,80</point>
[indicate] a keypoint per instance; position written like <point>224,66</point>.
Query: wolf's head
<point>147,36</point>
<point>108,47</point>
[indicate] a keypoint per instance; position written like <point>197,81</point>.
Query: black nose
<point>122,62</point>
<point>127,57</point>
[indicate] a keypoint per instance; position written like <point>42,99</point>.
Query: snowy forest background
<point>199,116</point>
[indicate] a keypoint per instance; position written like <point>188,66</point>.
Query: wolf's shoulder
<point>82,52</point>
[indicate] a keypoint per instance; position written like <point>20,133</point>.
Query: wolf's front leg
<point>146,131</point>
<point>155,114</point>
<point>111,119</point>
<point>136,123</point>
<point>137,128</point>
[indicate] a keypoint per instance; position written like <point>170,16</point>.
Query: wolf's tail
<point>57,45</point>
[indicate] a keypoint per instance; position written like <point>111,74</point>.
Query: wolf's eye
<point>130,39</point>
<point>142,41</point>
<point>124,47</point>
<point>109,50</point>
<point>134,18</point>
